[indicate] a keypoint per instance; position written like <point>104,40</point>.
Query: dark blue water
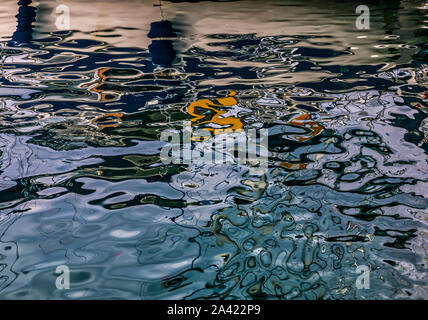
<point>82,183</point>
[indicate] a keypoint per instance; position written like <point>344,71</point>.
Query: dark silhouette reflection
<point>162,50</point>
<point>160,29</point>
<point>26,16</point>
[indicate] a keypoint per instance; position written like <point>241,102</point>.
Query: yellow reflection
<point>206,111</point>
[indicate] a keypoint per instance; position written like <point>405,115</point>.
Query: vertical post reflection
<point>161,49</point>
<point>25,17</point>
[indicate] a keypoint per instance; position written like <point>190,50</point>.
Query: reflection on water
<point>82,183</point>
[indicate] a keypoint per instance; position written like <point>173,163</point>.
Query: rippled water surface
<point>82,183</point>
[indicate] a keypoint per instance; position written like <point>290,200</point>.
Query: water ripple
<point>81,177</point>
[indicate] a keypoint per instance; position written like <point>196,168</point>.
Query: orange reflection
<point>302,120</point>
<point>315,127</point>
<point>206,111</point>
<point>114,118</point>
<point>101,78</point>
<point>293,166</point>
